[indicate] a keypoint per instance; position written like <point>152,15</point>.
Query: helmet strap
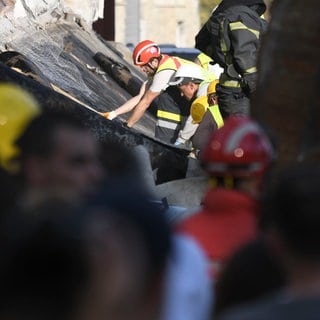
<point>223,181</point>
<point>150,65</point>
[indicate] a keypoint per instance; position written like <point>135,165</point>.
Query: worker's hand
<point>109,115</point>
<point>179,142</point>
<point>183,144</point>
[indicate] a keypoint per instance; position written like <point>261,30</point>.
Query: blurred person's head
<point>17,108</point>
<point>43,268</point>
<point>290,216</point>
<point>251,273</point>
<point>144,246</point>
<point>59,153</point>
<point>238,155</point>
<point>103,260</point>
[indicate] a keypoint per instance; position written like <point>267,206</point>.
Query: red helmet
<point>144,51</point>
<point>240,148</point>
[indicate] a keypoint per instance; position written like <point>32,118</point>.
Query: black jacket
<point>256,5</point>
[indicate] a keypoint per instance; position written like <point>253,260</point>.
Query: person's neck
<point>304,279</point>
<point>251,187</point>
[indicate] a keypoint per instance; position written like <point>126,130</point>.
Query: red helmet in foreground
<point>240,148</point>
<point>144,51</point>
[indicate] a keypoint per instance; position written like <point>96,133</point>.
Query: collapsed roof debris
<point>55,57</point>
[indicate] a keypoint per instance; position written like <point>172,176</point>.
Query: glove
<point>179,141</point>
<point>109,115</point>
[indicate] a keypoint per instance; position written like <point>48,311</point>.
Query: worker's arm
<point>127,106</point>
<point>131,103</point>
<point>245,42</point>
<point>141,107</point>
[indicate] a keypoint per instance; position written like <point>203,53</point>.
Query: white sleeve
<point>188,130</point>
<point>202,91</point>
<point>188,291</point>
<point>161,80</point>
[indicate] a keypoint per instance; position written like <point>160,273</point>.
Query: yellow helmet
<point>17,108</point>
<point>212,87</point>
<point>198,109</point>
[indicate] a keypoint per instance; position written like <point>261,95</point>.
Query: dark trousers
<point>232,101</point>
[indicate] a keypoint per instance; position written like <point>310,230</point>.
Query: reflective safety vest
<point>170,114</point>
<point>215,112</point>
<point>170,103</point>
<point>171,63</point>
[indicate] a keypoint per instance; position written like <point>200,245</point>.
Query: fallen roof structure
<point>66,65</point>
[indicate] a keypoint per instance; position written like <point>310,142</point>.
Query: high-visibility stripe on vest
<point>168,115</point>
<point>215,111</point>
<point>167,124</point>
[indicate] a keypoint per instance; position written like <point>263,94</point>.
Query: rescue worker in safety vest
<point>205,112</point>
<point>172,108</point>
<point>192,81</point>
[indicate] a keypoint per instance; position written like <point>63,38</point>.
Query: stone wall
<point>172,21</point>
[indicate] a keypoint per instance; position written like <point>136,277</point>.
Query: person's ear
<point>193,86</point>
<point>155,63</point>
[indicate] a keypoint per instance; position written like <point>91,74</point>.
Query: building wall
<point>171,21</point>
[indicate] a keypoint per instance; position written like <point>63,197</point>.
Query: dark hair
<point>38,137</point>
<point>291,205</point>
<point>43,268</point>
<point>128,198</point>
<point>49,255</point>
<point>251,273</point>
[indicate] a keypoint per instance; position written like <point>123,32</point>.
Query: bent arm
<point>245,44</point>
<point>141,107</point>
<point>131,103</point>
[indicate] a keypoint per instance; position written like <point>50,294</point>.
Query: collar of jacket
<point>225,4</point>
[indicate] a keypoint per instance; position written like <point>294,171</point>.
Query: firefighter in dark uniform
<point>232,37</point>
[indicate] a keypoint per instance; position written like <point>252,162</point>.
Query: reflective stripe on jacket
<point>215,111</point>
<point>240,44</point>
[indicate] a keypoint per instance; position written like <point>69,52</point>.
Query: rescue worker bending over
<point>192,81</point>
<point>171,106</point>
